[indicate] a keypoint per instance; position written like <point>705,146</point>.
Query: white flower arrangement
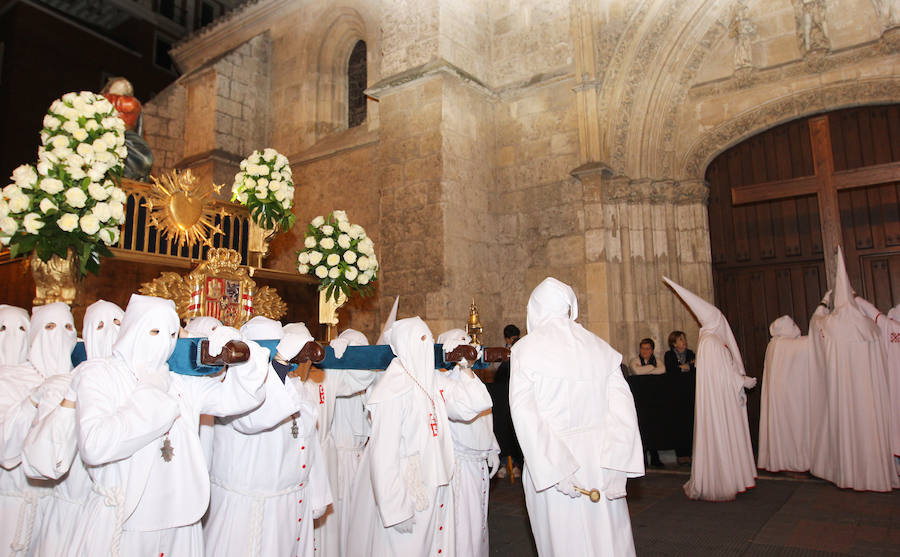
<point>265,185</point>
<point>70,198</point>
<point>340,255</point>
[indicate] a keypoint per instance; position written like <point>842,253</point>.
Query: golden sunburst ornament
<point>179,210</point>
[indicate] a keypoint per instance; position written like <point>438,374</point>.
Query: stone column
<point>637,231</point>
<point>435,163</point>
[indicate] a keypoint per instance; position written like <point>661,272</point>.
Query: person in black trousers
<point>503,425</point>
<point>682,372</point>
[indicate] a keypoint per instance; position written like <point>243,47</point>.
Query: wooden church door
<point>780,203</point>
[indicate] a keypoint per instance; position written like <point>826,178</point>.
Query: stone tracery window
<point>356,85</point>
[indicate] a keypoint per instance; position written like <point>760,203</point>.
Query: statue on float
<point>120,93</point>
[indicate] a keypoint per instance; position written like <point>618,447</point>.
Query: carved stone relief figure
<point>888,12</point>
<point>812,29</point>
<point>742,31</point>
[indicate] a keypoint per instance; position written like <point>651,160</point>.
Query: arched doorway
<point>780,199</point>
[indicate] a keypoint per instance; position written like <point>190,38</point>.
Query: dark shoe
<point>656,463</point>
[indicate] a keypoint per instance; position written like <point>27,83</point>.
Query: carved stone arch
<point>663,39</point>
<point>692,164</point>
<point>343,28</point>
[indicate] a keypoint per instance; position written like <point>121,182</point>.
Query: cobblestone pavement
<point>781,517</point>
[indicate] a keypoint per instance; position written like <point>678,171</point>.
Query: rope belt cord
<point>259,498</point>
<point>470,457</point>
<point>25,522</point>
<point>114,497</point>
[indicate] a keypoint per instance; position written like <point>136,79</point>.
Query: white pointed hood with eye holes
<point>412,343</point>
<point>100,329</point>
<point>711,320</point>
<point>14,324</point>
<point>52,338</point>
<point>138,346</point>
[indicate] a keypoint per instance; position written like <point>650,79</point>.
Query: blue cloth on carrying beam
<point>186,359</point>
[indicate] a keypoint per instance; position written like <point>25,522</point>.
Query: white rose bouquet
<point>265,185</point>
<point>340,255</point>
<point>71,197</point>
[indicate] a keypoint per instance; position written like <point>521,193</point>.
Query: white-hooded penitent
<point>477,460</point>
<point>722,462</point>
<point>262,328</point>
<point>252,510</point>
<point>890,340</point>
<point>102,321</point>
<point>201,327</point>
<point>14,325</point>
<point>402,503</point>
<point>575,420</point>
<point>339,396</point>
<point>52,338</point>
<point>784,438</point>
<point>23,387</point>
<point>137,433</point>
<point>851,444</point>
<point>50,448</point>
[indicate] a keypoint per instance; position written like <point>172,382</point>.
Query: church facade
<point>504,141</point>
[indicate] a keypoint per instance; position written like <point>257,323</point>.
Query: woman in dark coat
<point>682,371</point>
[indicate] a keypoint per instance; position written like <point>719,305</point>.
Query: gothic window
<point>356,84</point>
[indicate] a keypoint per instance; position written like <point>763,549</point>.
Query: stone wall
<point>510,140</point>
<point>409,168</point>
<point>537,203</point>
<point>470,229</point>
<point>164,127</point>
<point>242,103</point>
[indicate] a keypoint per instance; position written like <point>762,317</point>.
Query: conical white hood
<point>712,321</point>
<point>382,338</point>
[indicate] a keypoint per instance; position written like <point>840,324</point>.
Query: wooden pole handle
<point>462,351</point>
<point>234,352</point>
<point>312,351</point>
<point>495,354</point>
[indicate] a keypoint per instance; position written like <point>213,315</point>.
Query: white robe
<point>784,442</point>
<point>141,504</point>
<point>852,446</point>
<point>266,482</point>
<point>890,341</point>
<point>817,374</point>
<point>342,426</point>
<point>722,464</point>
<point>574,414</point>
<point>393,480</point>
<point>575,420</point>
<point>473,442</point>
<point>49,453</point>
<point>19,498</point>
